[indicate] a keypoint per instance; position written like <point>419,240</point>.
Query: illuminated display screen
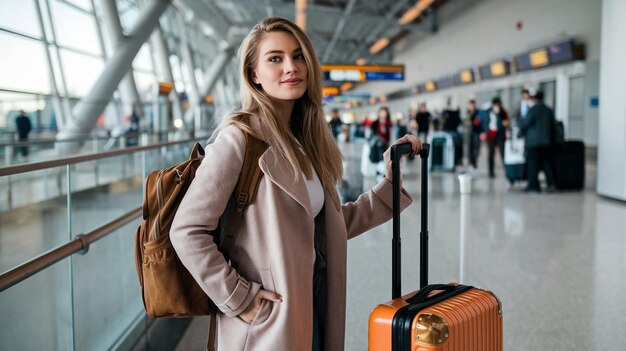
<point>354,73</point>
<point>467,76</point>
<point>328,91</point>
<point>485,72</point>
<point>522,62</point>
<point>165,87</point>
<point>539,58</point>
<point>561,52</point>
<point>444,83</point>
<point>430,86</point>
<point>498,69</point>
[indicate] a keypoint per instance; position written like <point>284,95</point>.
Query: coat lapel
<point>278,170</point>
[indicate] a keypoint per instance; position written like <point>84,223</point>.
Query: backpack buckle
<point>242,198</point>
<point>179,179</point>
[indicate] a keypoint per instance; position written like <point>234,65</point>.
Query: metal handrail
<point>71,140</point>
<point>36,166</point>
<point>79,245</point>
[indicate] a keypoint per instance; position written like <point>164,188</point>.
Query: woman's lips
<point>292,82</point>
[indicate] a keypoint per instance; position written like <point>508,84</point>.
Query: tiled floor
<point>557,261</point>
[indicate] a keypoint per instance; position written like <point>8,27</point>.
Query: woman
<point>382,126</point>
<point>285,285</point>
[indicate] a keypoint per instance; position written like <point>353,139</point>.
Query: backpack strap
<point>246,189</point>
<point>244,194</point>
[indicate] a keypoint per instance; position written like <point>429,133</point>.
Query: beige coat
<point>273,248</point>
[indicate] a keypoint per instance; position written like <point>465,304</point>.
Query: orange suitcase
<point>442,317</point>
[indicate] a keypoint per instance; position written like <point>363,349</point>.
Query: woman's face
<point>382,115</point>
<point>281,70</point>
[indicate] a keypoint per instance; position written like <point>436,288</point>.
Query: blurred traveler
<point>452,125</point>
<point>335,123</point>
<point>423,119</point>
<point>284,285</point>
<point>475,131</point>
<point>132,133</point>
<point>537,130</point>
<point>495,123</point>
<point>401,128</point>
<point>23,126</point>
<point>525,105</point>
<point>382,126</point>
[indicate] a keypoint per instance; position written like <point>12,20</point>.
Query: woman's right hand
<point>253,308</point>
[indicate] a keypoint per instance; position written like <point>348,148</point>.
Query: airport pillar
<point>114,34</point>
<point>612,123</point>
<point>562,98</point>
<point>161,55</point>
<point>192,115</point>
<point>215,72</point>
<point>86,112</point>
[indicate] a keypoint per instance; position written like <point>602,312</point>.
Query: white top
<point>316,192</point>
<point>493,121</point>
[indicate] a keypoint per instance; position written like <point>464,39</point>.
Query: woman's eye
<point>274,59</point>
<point>299,57</point>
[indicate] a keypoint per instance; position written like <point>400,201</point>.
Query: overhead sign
<point>165,87</point>
<point>467,76</point>
<point>522,62</point>
<point>363,73</point>
<point>499,69</point>
<point>430,86</point>
<point>539,58</point>
<point>328,91</point>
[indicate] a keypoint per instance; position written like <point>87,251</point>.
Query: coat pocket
<point>267,281</point>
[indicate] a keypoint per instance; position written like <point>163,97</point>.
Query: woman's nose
<point>290,66</point>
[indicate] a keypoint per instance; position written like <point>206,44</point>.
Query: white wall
<point>487,31</point>
<point>612,146</point>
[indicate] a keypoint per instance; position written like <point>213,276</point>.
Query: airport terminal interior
<point>97,94</point>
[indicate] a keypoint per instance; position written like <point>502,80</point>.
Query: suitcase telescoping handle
<point>396,154</point>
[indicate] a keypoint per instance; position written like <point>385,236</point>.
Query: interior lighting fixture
<point>379,45</point>
<point>414,12</point>
<point>178,123</point>
<point>346,86</point>
<point>301,14</point>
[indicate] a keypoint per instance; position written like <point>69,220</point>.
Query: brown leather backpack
<point>168,289</point>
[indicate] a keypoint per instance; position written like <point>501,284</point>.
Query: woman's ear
<point>254,77</point>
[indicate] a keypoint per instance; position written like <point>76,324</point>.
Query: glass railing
<point>81,302</point>
<point>45,146</point>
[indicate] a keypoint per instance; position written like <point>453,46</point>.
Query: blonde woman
<point>285,285</point>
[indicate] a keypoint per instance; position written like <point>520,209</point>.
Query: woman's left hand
<point>416,147</point>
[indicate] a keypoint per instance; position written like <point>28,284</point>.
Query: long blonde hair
<point>307,123</point>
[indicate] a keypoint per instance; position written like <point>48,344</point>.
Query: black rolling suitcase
<point>570,165</point>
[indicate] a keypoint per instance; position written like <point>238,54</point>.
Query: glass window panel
<point>33,215</point>
<point>46,19</point>
<point>81,72</point>
<point>75,29</point>
<point>145,83</point>
<point>176,71</point>
<point>22,17</point>
<point>143,59</point>
<point>83,4</point>
<point>199,75</point>
<point>107,297</point>
<point>12,103</point>
<point>37,313</point>
<point>119,191</point>
<point>128,16</point>
<point>23,64</point>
